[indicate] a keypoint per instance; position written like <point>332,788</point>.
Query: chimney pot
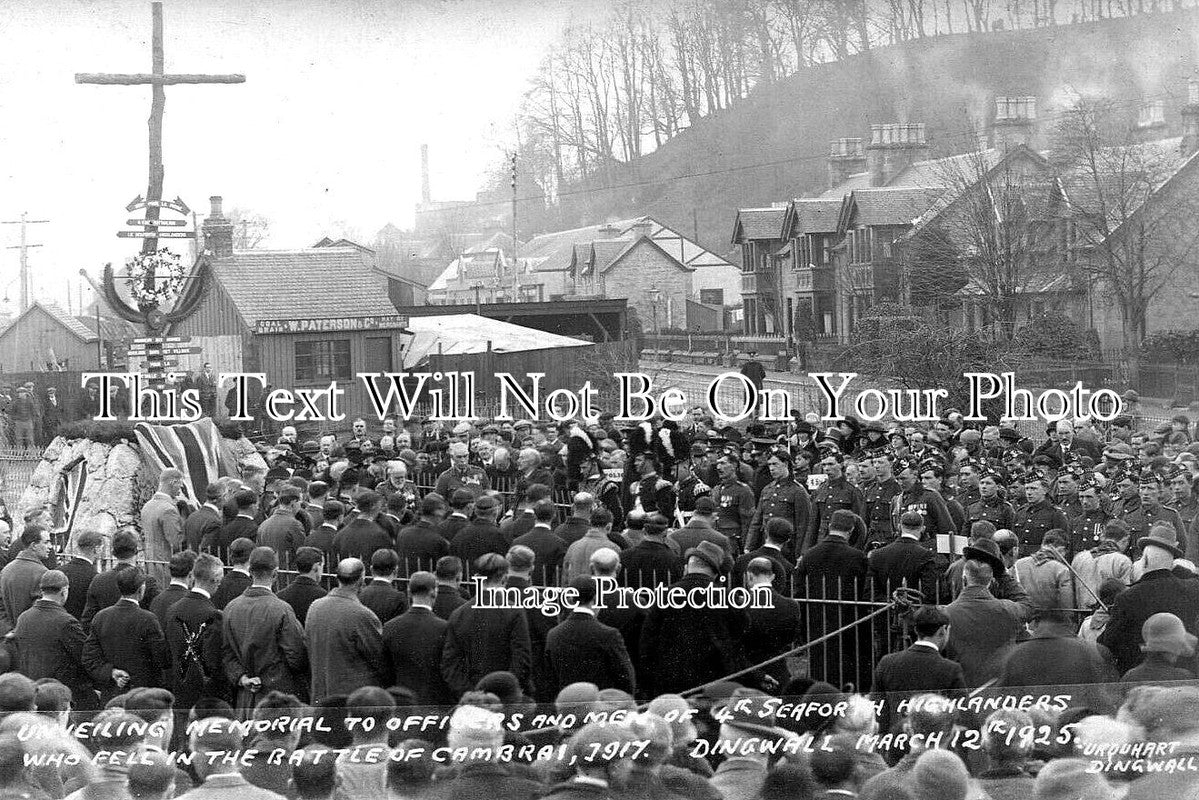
<point>894,147</point>
<point>215,201</point>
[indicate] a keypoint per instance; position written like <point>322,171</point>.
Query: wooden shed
<point>45,337</point>
<point>303,317</point>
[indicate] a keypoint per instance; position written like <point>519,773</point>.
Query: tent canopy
<point>471,333</point>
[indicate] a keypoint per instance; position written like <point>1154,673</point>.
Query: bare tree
<point>982,236</point>
<point>1133,213</point>
<point>250,229</point>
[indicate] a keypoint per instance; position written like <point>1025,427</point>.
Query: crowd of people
<point>363,607</point>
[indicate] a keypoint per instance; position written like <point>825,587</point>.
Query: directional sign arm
<point>143,78</point>
<point>135,203</point>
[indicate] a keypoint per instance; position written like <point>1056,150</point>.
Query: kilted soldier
<point>1038,516</point>
<point>782,497</point>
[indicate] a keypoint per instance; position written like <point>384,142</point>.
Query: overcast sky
<point>324,136</point>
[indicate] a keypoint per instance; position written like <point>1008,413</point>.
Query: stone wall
<point>118,482</point>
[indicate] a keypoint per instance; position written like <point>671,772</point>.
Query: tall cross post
<point>158,79</point>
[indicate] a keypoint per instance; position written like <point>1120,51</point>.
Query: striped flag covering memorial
<point>192,448</point>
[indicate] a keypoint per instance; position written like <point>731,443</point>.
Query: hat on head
<point>803,426</point>
<point>710,553</point>
<point>873,427</point>
<point>986,551</point>
<point>970,435</point>
<point>1009,434</point>
<point>461,428</point>
<point>1130,396</point>
<point>486,503</point>
<point>1149,477</point>
<point>1163,536</point>
<point>748,710</point>
<point>1165,633</point>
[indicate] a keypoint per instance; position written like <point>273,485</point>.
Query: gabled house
<point>639,259</point>
<point>810,230</point>
<point>759,233</point>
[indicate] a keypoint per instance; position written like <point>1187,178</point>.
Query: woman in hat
<point>1166,640</point>
<point>875,440</point>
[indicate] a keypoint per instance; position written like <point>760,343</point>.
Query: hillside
<point>772,146</point>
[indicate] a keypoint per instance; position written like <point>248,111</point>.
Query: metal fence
<point>16,473</point>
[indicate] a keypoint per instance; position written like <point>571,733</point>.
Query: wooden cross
<point>157,79</point>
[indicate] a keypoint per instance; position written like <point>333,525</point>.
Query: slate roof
<point>759,223</point>
<point>888,206</point>
<point>812,215</point>
<point>309,284</point>
<point>557,252</point>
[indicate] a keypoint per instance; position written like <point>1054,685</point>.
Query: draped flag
<point>63,506</point>
<point>192,448</point>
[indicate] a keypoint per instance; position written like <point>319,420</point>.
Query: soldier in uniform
<point>1086,527</point>
<point>928,503</point>
<point>932,477</point>
<point>1186,503</point>
<point>880,491</point>
<point>462,474</point>
<point>1038,516</point>
<point>655,494</point>
<point>1128,498</point>
<point>782,497</point>
<point>690,486</point>
<point>734,503</point>
<point>608,492</point>
<point>990,505</point>
<point>1066,490</point>
<point>967,492</point>
<point>835,494</point>
<point>1151,511</point>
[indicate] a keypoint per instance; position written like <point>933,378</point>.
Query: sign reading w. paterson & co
<point>378,322</point>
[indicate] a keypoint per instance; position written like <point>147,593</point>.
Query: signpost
<point>155,234</point>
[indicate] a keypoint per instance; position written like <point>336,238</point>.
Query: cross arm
<point>140,78</point>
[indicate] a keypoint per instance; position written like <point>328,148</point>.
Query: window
<point>711,297</point>
<point>323,360</point>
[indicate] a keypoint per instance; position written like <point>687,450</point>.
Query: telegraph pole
<point>514,244</point>
<point>24,247</point>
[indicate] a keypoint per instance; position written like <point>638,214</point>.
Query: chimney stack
<point>1015,120</point>
<point>892,149</point>
<point>218,231</point>
<point>426,194</point>
<point>847,156</point>
<point>1190,119</point>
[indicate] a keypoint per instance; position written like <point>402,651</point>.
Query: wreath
<point>168,271</point>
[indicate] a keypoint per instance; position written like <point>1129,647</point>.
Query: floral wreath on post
<point>169,275</point>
